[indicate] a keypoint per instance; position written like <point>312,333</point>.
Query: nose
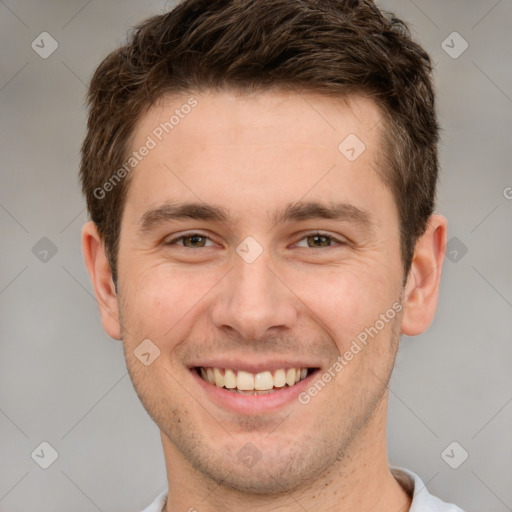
<point>254,299</point>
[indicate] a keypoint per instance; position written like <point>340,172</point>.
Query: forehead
<point>273,116</point>
<point>253,151</point>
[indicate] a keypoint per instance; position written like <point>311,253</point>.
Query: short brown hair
<point>332,47</point>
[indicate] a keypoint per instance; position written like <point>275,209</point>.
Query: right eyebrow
<point>176,211</point>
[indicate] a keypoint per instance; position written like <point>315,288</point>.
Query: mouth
<point>253,384</point>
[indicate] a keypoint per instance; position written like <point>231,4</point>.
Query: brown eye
<point>194,241</point>
<point>319,240</point>
<point>191,241</point>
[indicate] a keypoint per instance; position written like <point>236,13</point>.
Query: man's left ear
<point>423,281</point>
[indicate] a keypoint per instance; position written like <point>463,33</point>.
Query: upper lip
<point>255,366</point>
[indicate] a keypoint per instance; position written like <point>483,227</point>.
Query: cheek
<point>345,300</point>
<point>161,300</point>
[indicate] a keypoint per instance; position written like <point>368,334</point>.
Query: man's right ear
<point>101,277</point>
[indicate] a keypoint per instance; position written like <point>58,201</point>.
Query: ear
<point>423,281</point>
<point>101,277</point>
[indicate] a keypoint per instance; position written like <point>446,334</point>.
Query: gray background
<point>63,381</point>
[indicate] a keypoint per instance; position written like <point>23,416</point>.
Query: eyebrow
<point>300,211</point>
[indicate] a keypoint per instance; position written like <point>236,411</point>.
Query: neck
<point>360,481</point>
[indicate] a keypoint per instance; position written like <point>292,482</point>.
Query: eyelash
<point>315,233</point>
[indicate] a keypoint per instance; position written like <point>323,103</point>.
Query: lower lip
<point>253,404</point>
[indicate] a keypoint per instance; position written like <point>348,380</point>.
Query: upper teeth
<point>246,381</point>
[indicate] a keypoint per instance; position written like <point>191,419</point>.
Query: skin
<point>252,155</point>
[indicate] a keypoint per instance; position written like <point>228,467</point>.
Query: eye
<point>315,240</point>
<point>320,240</point>
<point>190,240</point>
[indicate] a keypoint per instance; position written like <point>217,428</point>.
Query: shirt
<point>422,500</point>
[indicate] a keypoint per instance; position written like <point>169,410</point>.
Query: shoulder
<point>158,503</point>
<point>422,500</point>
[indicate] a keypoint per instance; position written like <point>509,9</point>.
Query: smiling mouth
<point>246,383</point>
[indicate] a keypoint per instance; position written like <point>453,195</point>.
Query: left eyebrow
<point>335,211</point>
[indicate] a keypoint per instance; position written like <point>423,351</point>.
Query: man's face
<point>259,291</point>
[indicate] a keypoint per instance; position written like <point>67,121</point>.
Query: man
<point>261,181</point>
